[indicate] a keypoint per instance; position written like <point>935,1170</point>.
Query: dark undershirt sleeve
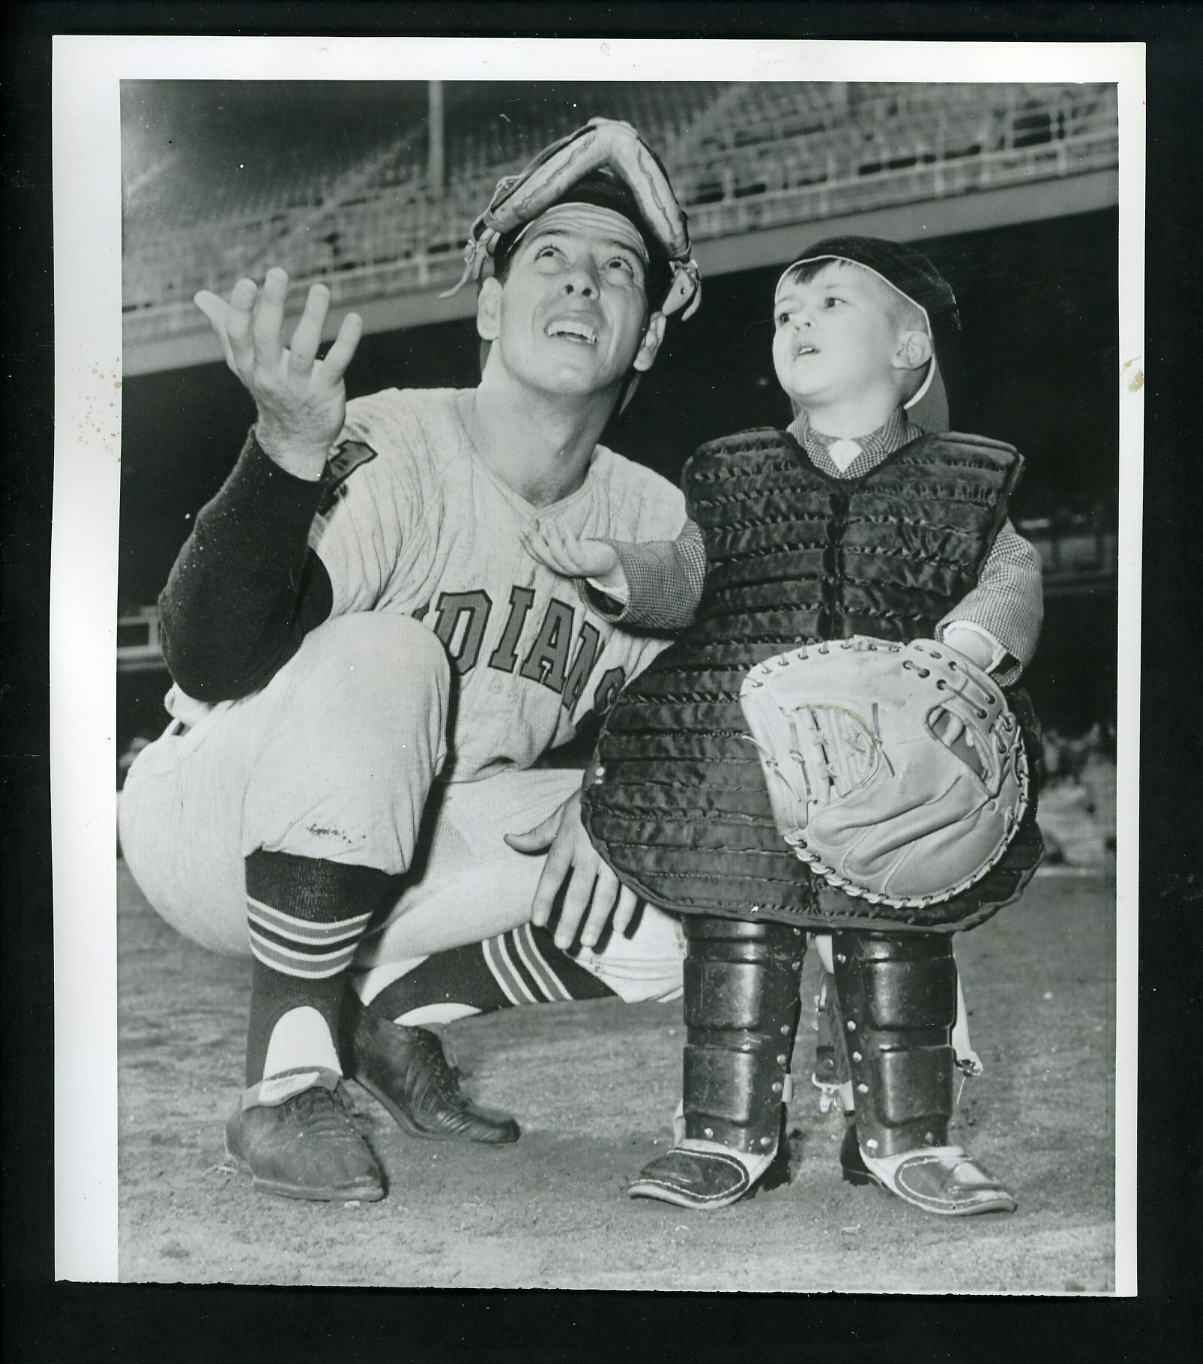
<point>245,588</point>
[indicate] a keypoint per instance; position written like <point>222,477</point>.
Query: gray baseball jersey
<point>422,527</point>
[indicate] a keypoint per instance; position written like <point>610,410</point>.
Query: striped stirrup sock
<point>305,918</point>
<point>523,966</point>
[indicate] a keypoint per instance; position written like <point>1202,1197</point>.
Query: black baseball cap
<point>911,274</point>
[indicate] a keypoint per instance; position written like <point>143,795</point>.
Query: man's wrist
<point>303,461</point>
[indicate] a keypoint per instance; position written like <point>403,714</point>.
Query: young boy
<point>853,521</point>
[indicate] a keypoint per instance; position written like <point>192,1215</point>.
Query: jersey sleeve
<point>244,589</point>
<point>1007,604</point>
<point>272,556</point>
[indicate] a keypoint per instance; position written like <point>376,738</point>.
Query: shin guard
<point>897,997</point>
<point>741,1011</point>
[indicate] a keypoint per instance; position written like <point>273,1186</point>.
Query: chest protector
<point>676,801</point>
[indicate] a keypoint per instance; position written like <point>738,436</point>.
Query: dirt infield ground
<point>593,1085</point>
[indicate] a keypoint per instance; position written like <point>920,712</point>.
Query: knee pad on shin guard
<point>741,1011</point>
<point>897,1003</point>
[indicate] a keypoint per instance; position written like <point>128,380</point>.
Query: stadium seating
<point>354,204</point>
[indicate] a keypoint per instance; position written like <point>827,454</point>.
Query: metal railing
<point>886,188</point>
<point>936,180</point>
<point>382,254</point>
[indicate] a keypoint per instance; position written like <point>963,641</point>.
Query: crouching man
<point>368,666</point>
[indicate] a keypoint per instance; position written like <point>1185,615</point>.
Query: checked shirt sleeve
<point>664,580</point>
<point>1007,604</point>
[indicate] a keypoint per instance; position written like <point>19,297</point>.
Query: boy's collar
<point>897,430</point>
<point>872,448</point>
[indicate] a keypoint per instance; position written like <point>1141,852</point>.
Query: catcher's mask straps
<point>601,145</point>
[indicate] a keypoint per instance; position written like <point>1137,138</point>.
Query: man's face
<point>833,334</point>
<point>571,315</point>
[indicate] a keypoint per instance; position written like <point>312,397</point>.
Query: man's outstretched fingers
<point>340,355</point>
<point>267,322</point>
<point>238,322</point>
<point>217,313</point>
<point>555,869</point>
<point>576,902</point>
<point>605,892</point>
<point>308,333</point>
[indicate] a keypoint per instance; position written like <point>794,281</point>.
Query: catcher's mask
<point>913,276</point>
<point>605,164</point>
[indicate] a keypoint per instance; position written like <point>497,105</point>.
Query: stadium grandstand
<point>366,205</point>
<point>371,187</point>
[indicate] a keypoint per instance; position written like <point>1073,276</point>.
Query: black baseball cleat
<point>940,1179</point>
<point>407,1071</point>
<point>295,1133</point>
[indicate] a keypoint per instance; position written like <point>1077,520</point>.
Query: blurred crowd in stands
<point>1077,802</point>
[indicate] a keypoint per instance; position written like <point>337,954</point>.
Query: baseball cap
<point>912,275</point>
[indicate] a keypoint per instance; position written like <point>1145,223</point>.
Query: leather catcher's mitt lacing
<point>906,789</point>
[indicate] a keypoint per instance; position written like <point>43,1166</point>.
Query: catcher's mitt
<point>603,144</point>
<point>896,771</point>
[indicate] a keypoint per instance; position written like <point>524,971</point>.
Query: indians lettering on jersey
<point>561,657</point>
<point>427,530</point>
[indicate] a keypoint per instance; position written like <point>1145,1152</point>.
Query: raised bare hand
<point>300,400</point>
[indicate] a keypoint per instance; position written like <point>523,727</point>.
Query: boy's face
<point>570,317</point>
<point>834,334</point>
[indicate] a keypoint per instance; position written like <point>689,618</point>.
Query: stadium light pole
<point>434,123</point>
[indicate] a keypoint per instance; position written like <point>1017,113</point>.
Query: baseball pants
<point>338,758</point>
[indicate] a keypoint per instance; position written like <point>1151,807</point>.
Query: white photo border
<point>87,72</point>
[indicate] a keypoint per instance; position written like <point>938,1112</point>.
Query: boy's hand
<point>565,554</point>
<point>301,400</point>
<point>972,643</point>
